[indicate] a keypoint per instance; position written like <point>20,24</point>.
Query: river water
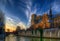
<point>12,37</point>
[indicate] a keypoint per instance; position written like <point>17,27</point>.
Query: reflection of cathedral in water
<point>1,22</point>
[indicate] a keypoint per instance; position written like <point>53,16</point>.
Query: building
<point>51,20</point>
<point>33,19</point>
<point>57,21</point>
<point>2,22</point>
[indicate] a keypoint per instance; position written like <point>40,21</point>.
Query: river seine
<point>12,37</point>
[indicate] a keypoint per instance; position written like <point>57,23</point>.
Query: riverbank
<point>38,37</point>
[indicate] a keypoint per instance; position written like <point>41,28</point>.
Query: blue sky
<point>21,10</point>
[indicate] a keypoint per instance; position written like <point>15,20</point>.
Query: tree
<point>17,29</point>
<point>43,24</point>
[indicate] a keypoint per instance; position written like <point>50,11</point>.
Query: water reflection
<point>16,38</point>
<point>10,38</point>
<point>19,38</point>
<point>1,37</point>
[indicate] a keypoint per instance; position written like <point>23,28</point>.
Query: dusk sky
<point>21,10</point>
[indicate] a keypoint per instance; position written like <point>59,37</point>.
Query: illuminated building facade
<point>57,21</point>
<point>33,19</point>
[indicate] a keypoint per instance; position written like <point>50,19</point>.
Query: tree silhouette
<point>8,30</point>
<point>17,29</point>
<point>43,24</point>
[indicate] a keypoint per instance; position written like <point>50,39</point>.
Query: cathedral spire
<point>50,12</point>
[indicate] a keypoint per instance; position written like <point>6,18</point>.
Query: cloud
<point>12,23</point>
<point>10,19</point>
<point>56,7</point>
<point>22,25</point>
<point>3,1</point>
<point>11,2</point>
<point>35,9</point>
<point>28,10</point>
